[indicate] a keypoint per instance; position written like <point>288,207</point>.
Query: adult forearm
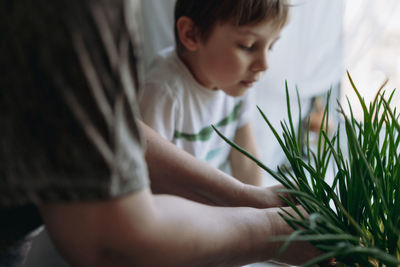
<point>174,171</point>
<point>146,230</point>
<point>184,233</point>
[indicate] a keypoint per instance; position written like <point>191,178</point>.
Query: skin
<point>244,169</point>
<point>169,169</point>
<point>231,59</point>
<point>143,229</point>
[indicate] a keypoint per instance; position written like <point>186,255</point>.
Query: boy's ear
<point>187,33</point>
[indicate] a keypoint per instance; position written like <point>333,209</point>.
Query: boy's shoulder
<point>167,72</point>
<point>163,66</point>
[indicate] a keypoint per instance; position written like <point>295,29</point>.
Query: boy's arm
<point>174,171</point>
<point>242,167</point>
<point>142,229</point>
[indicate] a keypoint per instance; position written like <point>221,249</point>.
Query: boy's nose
<point>260,63</point>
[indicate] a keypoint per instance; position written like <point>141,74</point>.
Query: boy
<point>221,50</point>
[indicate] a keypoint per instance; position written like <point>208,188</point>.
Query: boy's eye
<point>246,47</point>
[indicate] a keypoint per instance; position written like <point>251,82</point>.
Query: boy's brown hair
<point>207,13</point>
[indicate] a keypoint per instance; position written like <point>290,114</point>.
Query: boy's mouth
<point>248,83</point>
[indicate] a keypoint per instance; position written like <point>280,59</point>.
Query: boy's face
<point>233,58</point>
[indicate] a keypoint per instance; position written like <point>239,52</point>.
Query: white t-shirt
<point>181,110</point>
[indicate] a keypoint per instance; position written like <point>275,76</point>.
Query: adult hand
<point>297,253</point>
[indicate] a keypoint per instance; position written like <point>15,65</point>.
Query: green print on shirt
<point>213,153</point>
<point>205,133</point>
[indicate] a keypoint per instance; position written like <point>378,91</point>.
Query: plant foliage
<point>354,219</point>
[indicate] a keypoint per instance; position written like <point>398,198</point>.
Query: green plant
<point>355,219</point>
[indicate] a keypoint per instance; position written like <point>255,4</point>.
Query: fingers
<point>297,252</point>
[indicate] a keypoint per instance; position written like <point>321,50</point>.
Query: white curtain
<point>372,50</point>
<point>158,21</point>
<point>365,23</point>
<point>309,53</point>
